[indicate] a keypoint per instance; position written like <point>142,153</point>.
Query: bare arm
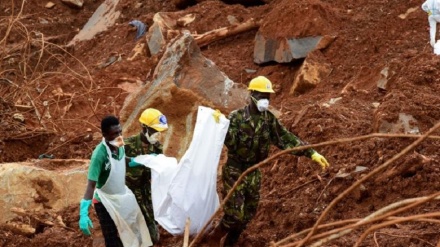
<point>88,195</point>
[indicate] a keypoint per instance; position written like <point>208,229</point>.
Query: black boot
<point>231,238</point>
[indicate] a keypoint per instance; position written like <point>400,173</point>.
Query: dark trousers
<point>108,227</point>
<point>242,206</point>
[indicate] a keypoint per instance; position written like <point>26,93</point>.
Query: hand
<point>133,163</point>
<point>84,220</point>
<point>217,114</point>
<point>320,160</point>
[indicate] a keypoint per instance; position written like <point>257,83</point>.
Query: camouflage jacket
<point>249,136</point>
<point>140,176</point>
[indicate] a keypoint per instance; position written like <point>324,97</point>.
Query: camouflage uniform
<point>248,140</point>
<point>138,179</point>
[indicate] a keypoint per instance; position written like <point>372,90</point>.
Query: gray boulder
<point>182,80</point>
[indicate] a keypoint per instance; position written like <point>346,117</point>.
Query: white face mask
<point>117,142</point>
<point>262,104</point>
<point>154,138</point>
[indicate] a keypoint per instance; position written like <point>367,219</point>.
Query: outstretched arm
<point>285,139</point>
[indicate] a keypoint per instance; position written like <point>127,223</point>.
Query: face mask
<point>262,104</point>
<point>117,142</point>
<point>154,138</point>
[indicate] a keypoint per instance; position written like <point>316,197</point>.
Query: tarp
<point>188,189</point>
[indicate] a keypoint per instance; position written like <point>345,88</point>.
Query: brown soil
<point>370,36</point>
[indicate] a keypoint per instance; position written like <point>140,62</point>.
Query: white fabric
<point>122,206</point>
<point>188,189</point>
<point>432,7</point>
<point>437,47</point>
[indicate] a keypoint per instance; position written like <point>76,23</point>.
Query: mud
<point>370,36</point>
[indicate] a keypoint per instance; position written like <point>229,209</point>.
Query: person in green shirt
<point>99,171</point>
<point>138,177</point>
<point>252,130</point>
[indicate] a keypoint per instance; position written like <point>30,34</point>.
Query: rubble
<point>383,80</point>
<point>310,74</point>
<point>406,124</point>
<point>66,83</point>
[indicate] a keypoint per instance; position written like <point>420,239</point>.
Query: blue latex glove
<point>133,163</point>
<point>84,220</point>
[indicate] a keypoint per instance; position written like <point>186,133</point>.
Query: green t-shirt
<point>99,168</point>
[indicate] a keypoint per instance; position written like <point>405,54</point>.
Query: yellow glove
<point>320,160</point>
<point>429,12</point>
<point>217,114</point>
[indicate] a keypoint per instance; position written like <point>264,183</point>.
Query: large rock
<point>286,50</point>
<point>292,29</point>
<point>104,17</point>
<point>24,186</point>
<point>312,71</point>
<point>183,80</point>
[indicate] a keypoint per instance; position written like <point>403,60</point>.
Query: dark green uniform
<point>138,179</point>
<point>248,140</point>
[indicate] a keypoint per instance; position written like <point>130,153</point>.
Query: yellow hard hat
<point>154,119</point>
<point>261,84</point>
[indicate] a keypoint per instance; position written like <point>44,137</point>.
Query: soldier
<point>251,131</point>
<point>138,177</point>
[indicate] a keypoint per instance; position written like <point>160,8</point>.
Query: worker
<point>432,7</point>
<point>119,215</point>
<point>251,131</point>
<point>138,177</point>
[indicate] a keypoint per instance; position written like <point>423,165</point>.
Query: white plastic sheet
<point>188,189</point>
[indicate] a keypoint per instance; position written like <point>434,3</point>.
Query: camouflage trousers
<point>137,179</point>
<point>242,206</point>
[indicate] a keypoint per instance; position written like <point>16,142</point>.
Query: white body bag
<point>188,189</point>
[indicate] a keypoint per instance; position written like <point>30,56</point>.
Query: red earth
<point>41,78</point>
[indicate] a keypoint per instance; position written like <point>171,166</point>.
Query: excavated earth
<point>68,87</point>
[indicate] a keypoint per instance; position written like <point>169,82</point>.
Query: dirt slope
<point>370,37</point>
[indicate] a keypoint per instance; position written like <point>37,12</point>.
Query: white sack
<point>188,189</point>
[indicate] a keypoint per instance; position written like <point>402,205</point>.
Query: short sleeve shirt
<point>99,169</point>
